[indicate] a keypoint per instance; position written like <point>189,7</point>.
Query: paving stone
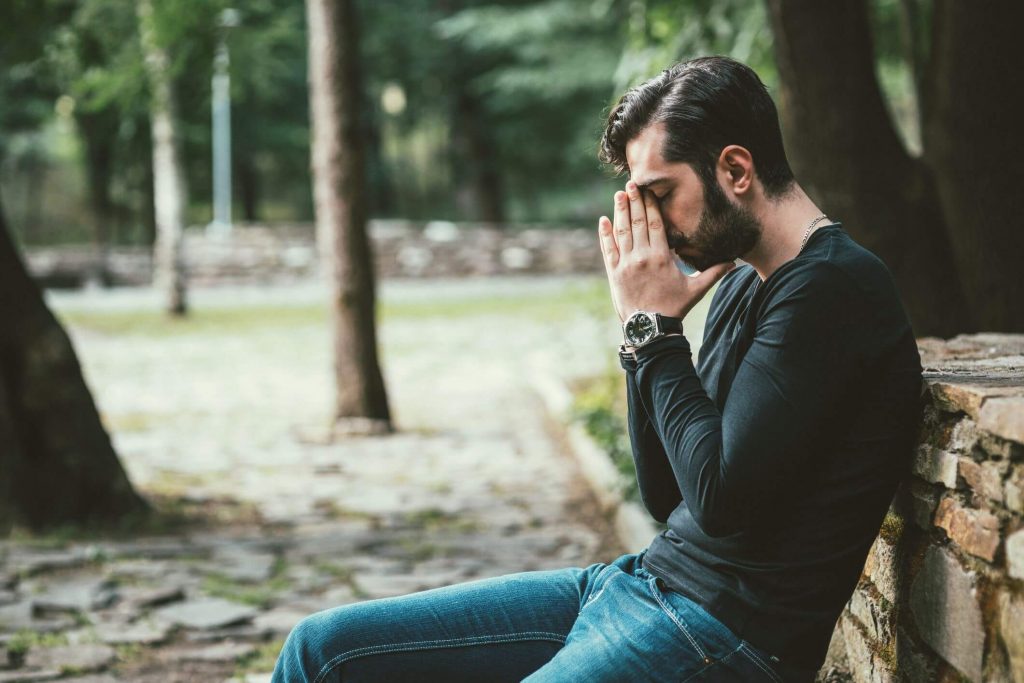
<point>205,613</point>
<point>240,564</point>
<point>29,562</point>
<point>79,658</point>
<point>138,633</point>
<point>21,616</point>
<point>241,632</point>
<point>221,652</point>
<point>944,602</point>
<point>975,531</point>
<point>94,678</point>
<point>280,620</point>
<point>77,595</point>
<point>29,676</point>
<point>141,597</point>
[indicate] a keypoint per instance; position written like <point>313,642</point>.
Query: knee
<point>301,657</point>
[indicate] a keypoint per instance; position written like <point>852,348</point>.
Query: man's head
<point>704,138</point>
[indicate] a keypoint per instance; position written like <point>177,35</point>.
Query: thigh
<point>634,630</point>
<point>493,629</point>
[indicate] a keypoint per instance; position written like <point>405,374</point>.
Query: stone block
<point>936,465</point>
<point>975,531</point>
<point>865,665</point>
<point>1015,554</point>
<point>944,602</point>
<point>983,478</point>
<point>875,613</point>
<point>1004,417</point>
<point>923,499</point>
<point>1011,631</point>
<point>1013,491</point>
<point>880,567</point>
<point>963,436</point>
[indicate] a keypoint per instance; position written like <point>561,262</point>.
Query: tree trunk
<point>339,189</point>
<point>168,174</point>
<point>847,155</point>
<point>973,145</point>
<point>98,133</point>
<point>57,464</point>
<point>946,223</point>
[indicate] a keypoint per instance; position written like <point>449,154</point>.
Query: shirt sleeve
<point>656,482</point>
<point>730,465</point>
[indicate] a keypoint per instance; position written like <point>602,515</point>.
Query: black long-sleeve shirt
<point>774,461</point>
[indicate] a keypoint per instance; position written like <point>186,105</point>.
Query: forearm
<point>655,478</point>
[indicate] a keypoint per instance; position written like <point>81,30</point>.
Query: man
<point>773,461</point>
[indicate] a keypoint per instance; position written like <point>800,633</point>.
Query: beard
<point>725,231</point>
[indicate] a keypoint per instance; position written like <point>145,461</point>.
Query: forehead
<point>646,163</point>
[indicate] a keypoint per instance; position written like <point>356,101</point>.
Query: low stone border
<point>634,527</point>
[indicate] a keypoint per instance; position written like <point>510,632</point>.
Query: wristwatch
<point>643,327</point>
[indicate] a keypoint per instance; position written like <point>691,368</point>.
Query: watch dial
<point>639,329</point>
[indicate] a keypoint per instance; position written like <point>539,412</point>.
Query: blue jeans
<point>605,622</point>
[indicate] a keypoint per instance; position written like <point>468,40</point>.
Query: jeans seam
<point>428,644</point>
<point>756,659</point>
<point>671,615</point>
<point>715,663</point>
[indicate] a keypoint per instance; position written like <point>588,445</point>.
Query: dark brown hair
<point>706,104</point>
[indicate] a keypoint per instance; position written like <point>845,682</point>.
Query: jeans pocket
<point>710,637</point>
<point>761,659</point>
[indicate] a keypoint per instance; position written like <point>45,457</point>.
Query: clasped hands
<point>641,268</point>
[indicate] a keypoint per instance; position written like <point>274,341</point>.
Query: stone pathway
<point>229,425</point>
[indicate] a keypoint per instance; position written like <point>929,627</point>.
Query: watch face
<point>639,328</point>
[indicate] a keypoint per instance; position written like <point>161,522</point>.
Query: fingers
<point>608,247</point>
<point>638,215</point>
<point>655,225</point>
<point>623,232</point>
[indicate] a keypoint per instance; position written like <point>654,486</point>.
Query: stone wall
<point>941,597</point>
<point>259,253</point>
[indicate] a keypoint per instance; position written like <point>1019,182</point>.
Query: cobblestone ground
<point>229,424</point>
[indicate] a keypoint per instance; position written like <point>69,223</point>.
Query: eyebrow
<point>651,183</point>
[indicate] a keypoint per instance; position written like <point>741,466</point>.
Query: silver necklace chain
<point>807,232</point>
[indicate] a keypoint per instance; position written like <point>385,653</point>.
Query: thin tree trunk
<point>340,198</point>
<point>477,147</point>
<point>846,153</point>
<point>168,174</point>
<point>57,464</point>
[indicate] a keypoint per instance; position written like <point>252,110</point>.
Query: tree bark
<point>168,173</point>
<point>57,464</point>
<point>339,184</point>
<point>973,145</point>
<point>847,155</point>
<point>477,148</point>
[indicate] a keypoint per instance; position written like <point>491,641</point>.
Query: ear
<point>736,169</point>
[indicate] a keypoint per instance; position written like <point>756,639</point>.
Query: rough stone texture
<point>1004,417</point>
<point>256,254</point>
<point>80,658</point>
<point>23,676</point>
<point>1013,491</point>
<point>865,665</point>
<point>936,465</point>
<point>983,478</point>
<point>881,567</point>
<point>205,613</point>
<point>221,652</point>
<point>875,613</point>
<point>1011,617</point>
<point>1015,554</point>
<point>944,603</point>
<point>975,531</point>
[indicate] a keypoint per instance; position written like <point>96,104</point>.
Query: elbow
<point>659,509</point>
